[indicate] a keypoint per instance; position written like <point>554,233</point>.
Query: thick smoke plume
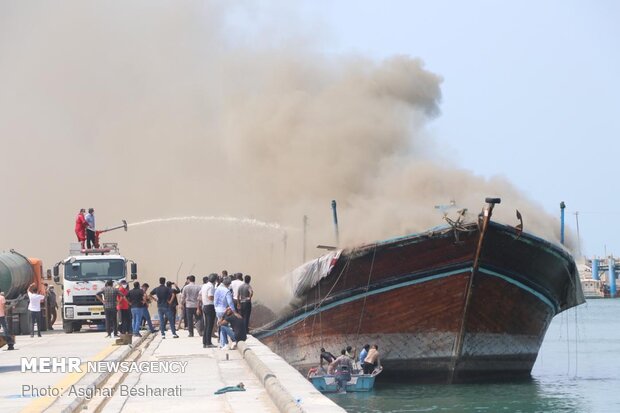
<point>147,110</point>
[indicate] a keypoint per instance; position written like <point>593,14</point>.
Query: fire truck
<point>85,272</point>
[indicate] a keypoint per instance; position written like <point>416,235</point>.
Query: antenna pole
<point>578,237</point>
<point>562,207</point>
<point>304,239</point>
<point>336,222</point>
<point>284,242</point>
<point>178,271</point>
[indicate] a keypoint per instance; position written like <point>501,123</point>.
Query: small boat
<point>594,275</point>
<point>593,288</point>
<point>327,383</point>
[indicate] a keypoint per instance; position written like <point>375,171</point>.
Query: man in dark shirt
<point>108,297</point>
<point>163,295</point>
<point>175,302</point>
<point>52,307</point>
<point>244,296</point>
<point>326,356</point>
<point>137,301</point>
<point>232,326</point>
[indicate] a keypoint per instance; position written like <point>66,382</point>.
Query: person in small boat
<point>351,352</point>
<point>342,368</point>
<point>372,359</point>
<point>328,357</point>
<point>363,354</point>
<point>343,361</point>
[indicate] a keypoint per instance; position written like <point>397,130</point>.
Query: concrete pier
<point>194,375</point>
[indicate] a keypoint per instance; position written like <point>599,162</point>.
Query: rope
<point>318,306</point>
<point>320,315</point>
<point>346,265</point>
<point>313,317</point>
<point>567,346</point>
<point>576,341</point>
<point>459,225</point>
<point>372,264</point>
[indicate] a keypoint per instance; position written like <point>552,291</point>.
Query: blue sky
<point>531,91</point>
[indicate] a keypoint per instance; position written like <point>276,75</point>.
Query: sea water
<point>577,371</point>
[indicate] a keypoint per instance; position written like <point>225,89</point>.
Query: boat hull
<point>358,383</point>
<point>436,312</point>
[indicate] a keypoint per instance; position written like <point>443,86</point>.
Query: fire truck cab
<point>85,272</point>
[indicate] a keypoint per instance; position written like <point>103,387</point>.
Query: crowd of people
<point>221,300</point>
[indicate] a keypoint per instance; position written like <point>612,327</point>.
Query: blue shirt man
<point>90,219</point>
<point>364,353</point>
<point>222,298</point>
<point>91,238</point>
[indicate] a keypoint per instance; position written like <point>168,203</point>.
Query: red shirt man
<point>123,304</point>
<point>80,226</point>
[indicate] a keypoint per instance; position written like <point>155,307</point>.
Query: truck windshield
<point>95,270</point>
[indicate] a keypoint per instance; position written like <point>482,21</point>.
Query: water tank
<point>16,274</point>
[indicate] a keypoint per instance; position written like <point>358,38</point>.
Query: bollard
<point>595,275</point>
<point>612,277</point>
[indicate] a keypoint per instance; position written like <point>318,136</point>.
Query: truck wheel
<point>77,327</point>
<point>67,326</point>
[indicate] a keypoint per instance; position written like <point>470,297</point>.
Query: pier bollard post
<point>612,277</point>
<point>595,275</point>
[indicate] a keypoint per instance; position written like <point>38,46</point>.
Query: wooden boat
<point>460,303</point>
<point>326,383</point>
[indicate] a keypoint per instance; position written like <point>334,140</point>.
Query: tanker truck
<point>17,272</point>
<point>85,272</point>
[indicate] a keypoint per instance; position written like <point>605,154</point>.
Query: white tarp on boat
<point>309,274</point>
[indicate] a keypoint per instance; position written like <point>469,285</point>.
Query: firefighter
<point>91,232</point>
<point>80,227</point>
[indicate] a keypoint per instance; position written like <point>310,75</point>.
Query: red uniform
<point>123,306</point>
<point>80,228</point>
<point>122,303</point>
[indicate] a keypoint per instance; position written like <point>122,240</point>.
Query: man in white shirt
<point>234,286</point>
<point>34,307</point>
<point>208,309</point>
